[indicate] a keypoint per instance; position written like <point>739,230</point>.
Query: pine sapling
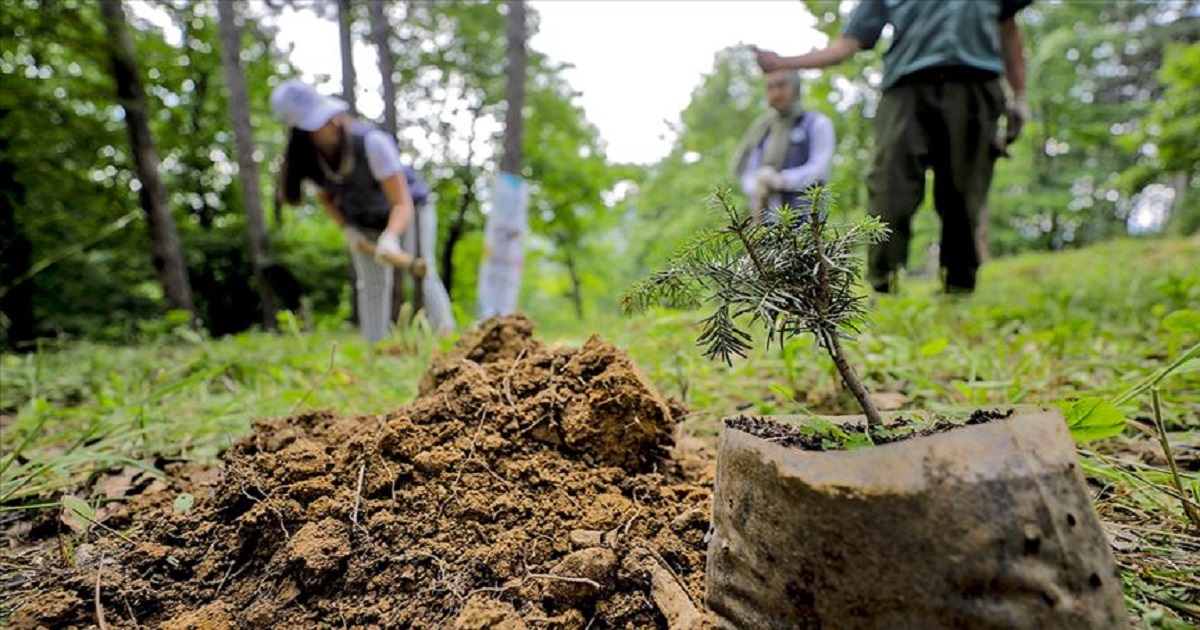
<point>794,275</point>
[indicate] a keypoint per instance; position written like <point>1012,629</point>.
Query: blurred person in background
<point>363,186</point>
<point>786,152</point>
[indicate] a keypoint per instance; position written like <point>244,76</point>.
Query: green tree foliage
<point>1175,118</point>
<point>669,202</point>
<point>1174,128</point>
<point>450,81</point>
<point>565,160</point>
<point>76,260</point>
<point>65,139</point>
<point>1113,88</point>
<point>69,158</point>
<point>1090,151</point>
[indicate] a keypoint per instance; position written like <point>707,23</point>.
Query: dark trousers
<point>933,122</point>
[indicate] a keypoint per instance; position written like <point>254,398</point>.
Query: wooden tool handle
<point>402,260</point>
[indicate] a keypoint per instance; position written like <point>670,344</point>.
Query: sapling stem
<point>829,338</point>
<point>856,386</point>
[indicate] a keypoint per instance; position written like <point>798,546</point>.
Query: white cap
<point>299,105</point>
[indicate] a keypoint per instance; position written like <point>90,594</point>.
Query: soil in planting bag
<point>983,526</point>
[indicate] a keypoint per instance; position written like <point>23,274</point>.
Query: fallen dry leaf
<point>118,485</point>
<point>1122,539</point>
<point>889,401</point>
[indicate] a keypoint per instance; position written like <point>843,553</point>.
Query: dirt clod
<point>482,613</point>
<point>463,509</point>
<point>320,547</point>
<point>582,575</point>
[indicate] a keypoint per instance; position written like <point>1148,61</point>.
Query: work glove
<point>766,181</point>
<point>769,179</point>
<point>1016,114</point>
<point>356,241</point>
<point>388,246</point>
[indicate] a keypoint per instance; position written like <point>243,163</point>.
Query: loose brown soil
<point>526,486</point>
<point>897,427</point>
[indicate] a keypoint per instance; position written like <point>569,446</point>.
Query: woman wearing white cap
<point>362,185</point>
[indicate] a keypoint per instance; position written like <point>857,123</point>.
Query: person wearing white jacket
<point>364,187</point>
<point>786,152</point>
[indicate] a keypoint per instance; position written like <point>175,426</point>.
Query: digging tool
<point>418,276</point>
<point>411,240</point>
<point>403,260</point>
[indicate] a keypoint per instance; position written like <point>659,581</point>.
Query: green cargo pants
<point>950,126</point>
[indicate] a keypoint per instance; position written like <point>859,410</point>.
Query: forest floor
<point>566,484</point>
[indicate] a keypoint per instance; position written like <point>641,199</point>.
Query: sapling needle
<point>794,275</point>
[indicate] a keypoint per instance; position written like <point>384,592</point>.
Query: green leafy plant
<point>792,276</point>
<point>1091,418</point>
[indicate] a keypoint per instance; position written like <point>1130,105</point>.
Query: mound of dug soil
<point>525,486</point>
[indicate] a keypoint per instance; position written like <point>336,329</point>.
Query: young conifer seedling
<point>795,275</point>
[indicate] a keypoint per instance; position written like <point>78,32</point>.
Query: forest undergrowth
<point>1046,329</point>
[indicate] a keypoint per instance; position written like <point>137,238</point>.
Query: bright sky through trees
<point>634,62</point>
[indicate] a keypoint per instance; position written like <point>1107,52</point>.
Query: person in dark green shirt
<point>940,109</point>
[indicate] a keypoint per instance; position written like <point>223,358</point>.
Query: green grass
<point>85,407</point>
<point>1042,329</point>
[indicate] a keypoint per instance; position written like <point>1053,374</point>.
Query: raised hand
<point>767,60</point>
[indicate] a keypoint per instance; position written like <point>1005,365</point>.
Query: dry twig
<point>99,608</point>
<point>362,469</point>
<point>508,377</point>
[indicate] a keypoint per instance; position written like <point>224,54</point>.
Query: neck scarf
<point>776,127</point>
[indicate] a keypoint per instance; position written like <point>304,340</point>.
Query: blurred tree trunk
<point>239,112</point>
<point>514,120</point>
<point>168,253</point>
<point>458,228</point>
<point>1183,216</point>
<point>345,21</point>
<point>381,32</point>
<point>572,264</point>
<point>1042,171</point>
<point>277,195</point>
<point>16,291</point>
<point>466,175</point>
<point>500,270</point>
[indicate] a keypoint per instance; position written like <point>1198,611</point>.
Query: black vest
<point>356,191</point>
<point>797,155</point>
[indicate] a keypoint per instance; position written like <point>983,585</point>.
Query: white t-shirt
<point>383,156</point>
